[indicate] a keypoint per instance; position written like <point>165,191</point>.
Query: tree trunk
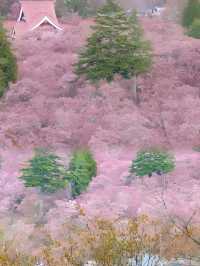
<point>97,91</point>
<point>135,90</point>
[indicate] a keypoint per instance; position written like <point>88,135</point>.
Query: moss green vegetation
<point>82,168</point>
<point>152,161</point>
<point>8,65</point>
<point>45,172</point>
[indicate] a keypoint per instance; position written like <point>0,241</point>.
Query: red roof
<point>36,13</point>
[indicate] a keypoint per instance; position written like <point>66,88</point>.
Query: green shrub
<point>152,161</point>
<point>44,171</point>
<point>8,65</point>
<point>191,12</point>
<point>194,29</point>
<point>82,168</point>
<point>81,7</point>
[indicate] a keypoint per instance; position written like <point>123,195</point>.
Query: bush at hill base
<point>152,161</point>
<point>45,172</point>
<point>81,170</point>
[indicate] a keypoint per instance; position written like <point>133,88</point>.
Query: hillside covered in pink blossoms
<point>46,109</point>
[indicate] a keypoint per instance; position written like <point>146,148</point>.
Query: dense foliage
<point>110,8</point>
<point>80,7</point>
<point>115,47</point>
<point>8,65</point>
<point>191,12</point>
<point>152,161</point>
<point>82,168</point>
<point>194,29</point>
<point>44,171</point>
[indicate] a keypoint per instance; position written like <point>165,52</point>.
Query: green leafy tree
<point>152,161</point>
<point>44,171</point>
<point>8,65</point>
<point>115,47</point>
<point>194,29</point>
<point>82,168</point>
<point>191,12</point>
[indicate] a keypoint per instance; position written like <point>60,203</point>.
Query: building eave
<point>49,21</point>
<point>20,15</point>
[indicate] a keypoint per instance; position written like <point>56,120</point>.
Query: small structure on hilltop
<point>34,14</point>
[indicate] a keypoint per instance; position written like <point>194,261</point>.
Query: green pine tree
<point>44,171</point>
<point>8,65</point>
<point>110,7</point>
<point>191,12</point>
<point>115,47</point>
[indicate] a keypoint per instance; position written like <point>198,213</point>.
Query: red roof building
<point>34,14</point>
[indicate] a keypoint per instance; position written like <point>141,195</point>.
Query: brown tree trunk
<point>135,90</point>
<point>97,91</point>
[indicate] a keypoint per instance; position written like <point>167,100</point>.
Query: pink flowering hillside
<point>45,108</point>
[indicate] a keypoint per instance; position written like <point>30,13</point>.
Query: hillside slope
<point>44,108</point>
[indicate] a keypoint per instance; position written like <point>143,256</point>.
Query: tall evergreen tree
<point>115,47</point>
<point>8,65</point>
